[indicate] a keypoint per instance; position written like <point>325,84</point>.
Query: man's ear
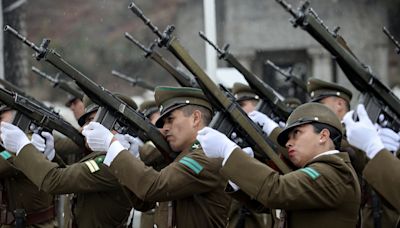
<point>341,103</point>
<point>197,118</point>
<point>324,135</point>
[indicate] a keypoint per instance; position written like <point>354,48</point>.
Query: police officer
<point>75,100</point>
<point>323,191</point>
<point>20,199</point>
<point>248,100</point>
<point>375,213</point>
<point>292,102</point>
<point>336,97</point>
<point>245,96</point>
<point>100,200</point>
<point>190,188</point>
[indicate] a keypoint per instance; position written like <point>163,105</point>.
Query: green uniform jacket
<point>151,156</point>
<point>325,193</point>
<point>383,174</point>
<point>68,150</point>
<point>20,191</point>
<point>100,199</point>
<point>193,181</point>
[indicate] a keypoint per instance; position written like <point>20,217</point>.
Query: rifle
<point>134,81</point>
<point>62,84</point>
<point>288,76</point>
<point>10,87</point>
<point>391,37</point>
<point>182,78</point>
<point>377,98</point>
<point>231,112</point>
<point>271,101</point>
<point>7,85</point>
<point>113,113</point>
<point>29,114</point>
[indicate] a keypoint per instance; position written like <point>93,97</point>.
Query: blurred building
<point>258,30</point>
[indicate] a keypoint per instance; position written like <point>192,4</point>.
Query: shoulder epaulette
<point>191,164</point>
<point>314,174</point>
<point>5,154</point>
<point>92,165</point>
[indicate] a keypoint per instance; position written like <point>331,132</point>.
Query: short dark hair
<point>206,113</point>
<point>335,134</point>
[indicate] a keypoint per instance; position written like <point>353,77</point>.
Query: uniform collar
<point>344,156</point>
<point>329,152</point>
<point>195,145</point>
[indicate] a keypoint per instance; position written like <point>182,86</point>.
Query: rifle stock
<point>247,129</point>
<point>377,98</point>
<point>113,112</point>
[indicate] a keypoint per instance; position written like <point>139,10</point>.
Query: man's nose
<point>164,130</point>
<point>289,143</point>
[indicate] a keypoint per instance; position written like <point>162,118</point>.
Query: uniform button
<point>157,204</point>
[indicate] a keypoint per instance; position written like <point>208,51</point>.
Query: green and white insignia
<point>92,165</point>
<point>100,159</point>
<point>195,145</point>
<point>311,172</point>
<point>191,164</point>
<point>5,154</point>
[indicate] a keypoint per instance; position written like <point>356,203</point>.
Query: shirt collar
<point>329,152</point>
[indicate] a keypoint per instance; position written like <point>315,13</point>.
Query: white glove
<point>132,142</point>
<point>122,140</point>
<point>389,138</point>
<point>49,151</point>
<point>38,142</point>
<point>362,134</point>
<point>215,144</point>
<point>14,139</point>
<point>248,151</point>
<point>45,144</point>
<point>264,121</point>
<point>97,136</point>
<point>235,138</point>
